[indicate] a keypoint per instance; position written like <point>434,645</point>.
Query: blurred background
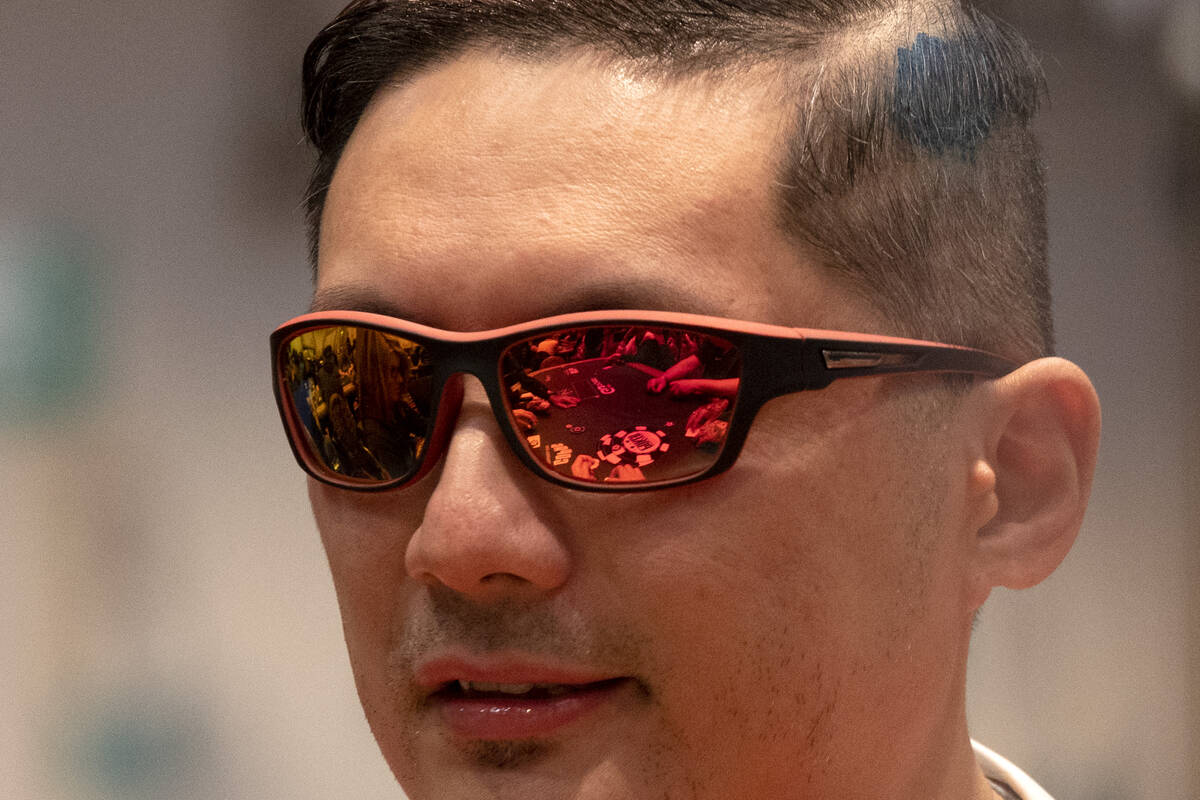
<point>167,625</point>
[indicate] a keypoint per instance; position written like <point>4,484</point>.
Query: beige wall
<point>168,627</point>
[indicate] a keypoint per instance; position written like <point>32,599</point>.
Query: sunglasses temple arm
<point>827,360</point>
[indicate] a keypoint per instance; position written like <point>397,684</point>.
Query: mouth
<point>484,708</point>
<point>528,692</point>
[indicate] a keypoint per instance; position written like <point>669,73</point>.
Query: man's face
<point>792,627</point>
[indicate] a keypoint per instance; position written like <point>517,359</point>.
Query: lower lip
<point>500,719</point>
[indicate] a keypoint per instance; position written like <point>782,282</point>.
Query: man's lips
<point>435,674</point>
<point>513,698</point>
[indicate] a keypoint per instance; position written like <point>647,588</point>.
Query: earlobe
<point>1042,435</point>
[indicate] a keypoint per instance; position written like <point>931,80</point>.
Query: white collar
<point>999,769</point>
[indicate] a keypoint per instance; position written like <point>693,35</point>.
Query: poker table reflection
<point>631,433</point>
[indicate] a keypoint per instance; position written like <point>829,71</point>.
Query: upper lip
<point>434,673</point>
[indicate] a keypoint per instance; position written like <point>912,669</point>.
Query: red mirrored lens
<point>359,401</point>
<point>622,403</point>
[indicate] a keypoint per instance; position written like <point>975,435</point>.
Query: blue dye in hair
<point>944,101</point>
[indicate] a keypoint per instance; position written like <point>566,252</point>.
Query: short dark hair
<point>912,173</point>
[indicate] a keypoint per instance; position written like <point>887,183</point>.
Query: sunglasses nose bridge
<point>482,363</point>
<point>459,391</point>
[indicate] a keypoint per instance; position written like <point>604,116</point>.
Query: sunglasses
<point>599,401</point>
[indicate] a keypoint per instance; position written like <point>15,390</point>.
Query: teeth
<point>511,688</point>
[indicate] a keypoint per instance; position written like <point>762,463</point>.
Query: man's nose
<point>481,534</point>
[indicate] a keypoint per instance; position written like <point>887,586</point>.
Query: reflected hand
<point>536,403</point>
<point>524,418</point>
<point>564,399</point>
<point>626,472</point>
<point>705,414</point>
<point>687,386</point>
<point>713,432</point>
<point>584,467</point>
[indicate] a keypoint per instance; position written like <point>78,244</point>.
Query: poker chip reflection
<point>626,452</point>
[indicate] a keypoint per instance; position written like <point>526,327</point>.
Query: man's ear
<point>1040,433</point>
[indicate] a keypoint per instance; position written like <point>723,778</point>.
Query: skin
<point>796,627</point>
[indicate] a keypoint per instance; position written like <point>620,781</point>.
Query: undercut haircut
<point>910,171</point>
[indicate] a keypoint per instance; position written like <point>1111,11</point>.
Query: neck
<point>951,771</point>
<point>948,769</point>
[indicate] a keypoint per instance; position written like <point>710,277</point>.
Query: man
<point>787,614</point>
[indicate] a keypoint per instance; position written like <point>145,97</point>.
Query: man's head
<point>798,625</point>
<point>899,116</point>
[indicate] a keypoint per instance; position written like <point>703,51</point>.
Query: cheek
<point>733,597</point>
<point>737,669</point>
<point>788,582</point>
<point>859,493</point>
<point>365,536</point>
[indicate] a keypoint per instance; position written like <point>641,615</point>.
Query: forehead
<point>522,189</point>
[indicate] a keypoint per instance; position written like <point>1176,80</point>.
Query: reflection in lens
<point>361,399</point>
<point>622,403</point>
